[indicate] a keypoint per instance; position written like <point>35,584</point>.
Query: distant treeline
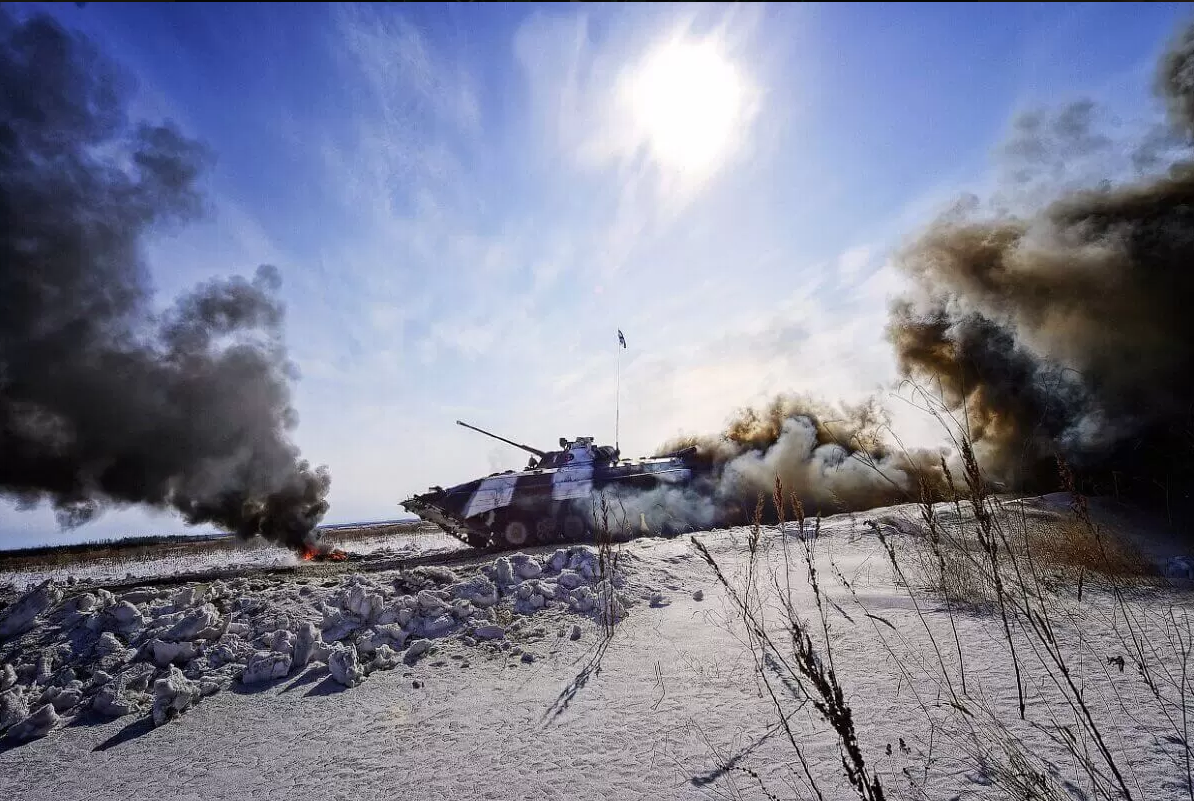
<point>111,543</point>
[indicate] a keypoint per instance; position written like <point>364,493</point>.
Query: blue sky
<point>467,201</point>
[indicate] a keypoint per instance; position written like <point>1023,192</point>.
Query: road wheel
<point>515,533</point>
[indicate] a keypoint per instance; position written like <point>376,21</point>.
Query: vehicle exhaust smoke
<point>832,460</point>
<point>103,400</point>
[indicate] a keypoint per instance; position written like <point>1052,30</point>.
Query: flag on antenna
<point>621,338</point>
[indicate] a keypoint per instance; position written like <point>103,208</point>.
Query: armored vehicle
<point>553,499</point>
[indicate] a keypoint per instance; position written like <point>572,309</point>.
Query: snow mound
<point>71,650</point>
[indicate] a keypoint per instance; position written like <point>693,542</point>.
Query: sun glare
<point>687,99</point>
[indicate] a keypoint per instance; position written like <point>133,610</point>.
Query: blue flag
<point>621,338</point>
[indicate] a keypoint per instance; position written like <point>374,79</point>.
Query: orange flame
<point>311,553</point>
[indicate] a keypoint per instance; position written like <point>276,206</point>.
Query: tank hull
<point>545,505</point>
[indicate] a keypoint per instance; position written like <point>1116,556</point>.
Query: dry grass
<point>1071,545</point>
<point>1065,551</point>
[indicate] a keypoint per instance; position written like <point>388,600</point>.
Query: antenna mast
<point>618,393</point>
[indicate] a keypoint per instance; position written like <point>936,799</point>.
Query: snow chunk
<point>417,649</point>
<point>86,602</point>
<point>362,602</point>
<point>36,725</point>
<point>165,653</point>
<point>126,616</point>
<point>13,708</point>
<point>48,658</point>
<point>137,677</point>
<point>345,667</point>
<point>304,646</point>
<point>63,698</point>
<point>112,703</point>
<point>559,560</point>
<point>477,590</point>
<point>281,641</point>
<point>19,617</point>
<point>108,644</point>
<point>173,694</point>
<point>265,666</point>
<point>489,632</point>
<point>440,575</point>
<point>528,568</point>
<point>393,633</point>
<point>582,599</point>
<point>583,561</point>
<point>336,626</point>
<point>199,624</point>
<point>8,677</point>
<point>430,602</point>
<point>504,571</point>
<point>187,597</point>
<point>570,579</point>
<point>230,649</point>
<point>386,658</point>
<point>439,625</point>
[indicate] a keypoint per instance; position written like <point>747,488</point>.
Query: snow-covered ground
<point>496,682</point>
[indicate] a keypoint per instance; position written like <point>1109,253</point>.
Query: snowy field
<point>496,681</point>
<point>172,561</point>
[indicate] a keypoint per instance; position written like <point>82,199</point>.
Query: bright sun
<point>687,98</point>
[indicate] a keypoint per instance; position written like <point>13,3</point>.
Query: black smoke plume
<point>1068,330</point>
<point>103,400</point>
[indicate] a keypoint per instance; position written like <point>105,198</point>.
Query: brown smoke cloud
<point>1054,320</point>
<point>1067,331</point>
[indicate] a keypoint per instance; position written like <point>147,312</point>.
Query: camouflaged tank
<point>552,499</point>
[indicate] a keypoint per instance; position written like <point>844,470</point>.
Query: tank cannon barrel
<point>527,448</point>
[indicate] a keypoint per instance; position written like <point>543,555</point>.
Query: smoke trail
<point>102,401</point>
<point>1069,330</point>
